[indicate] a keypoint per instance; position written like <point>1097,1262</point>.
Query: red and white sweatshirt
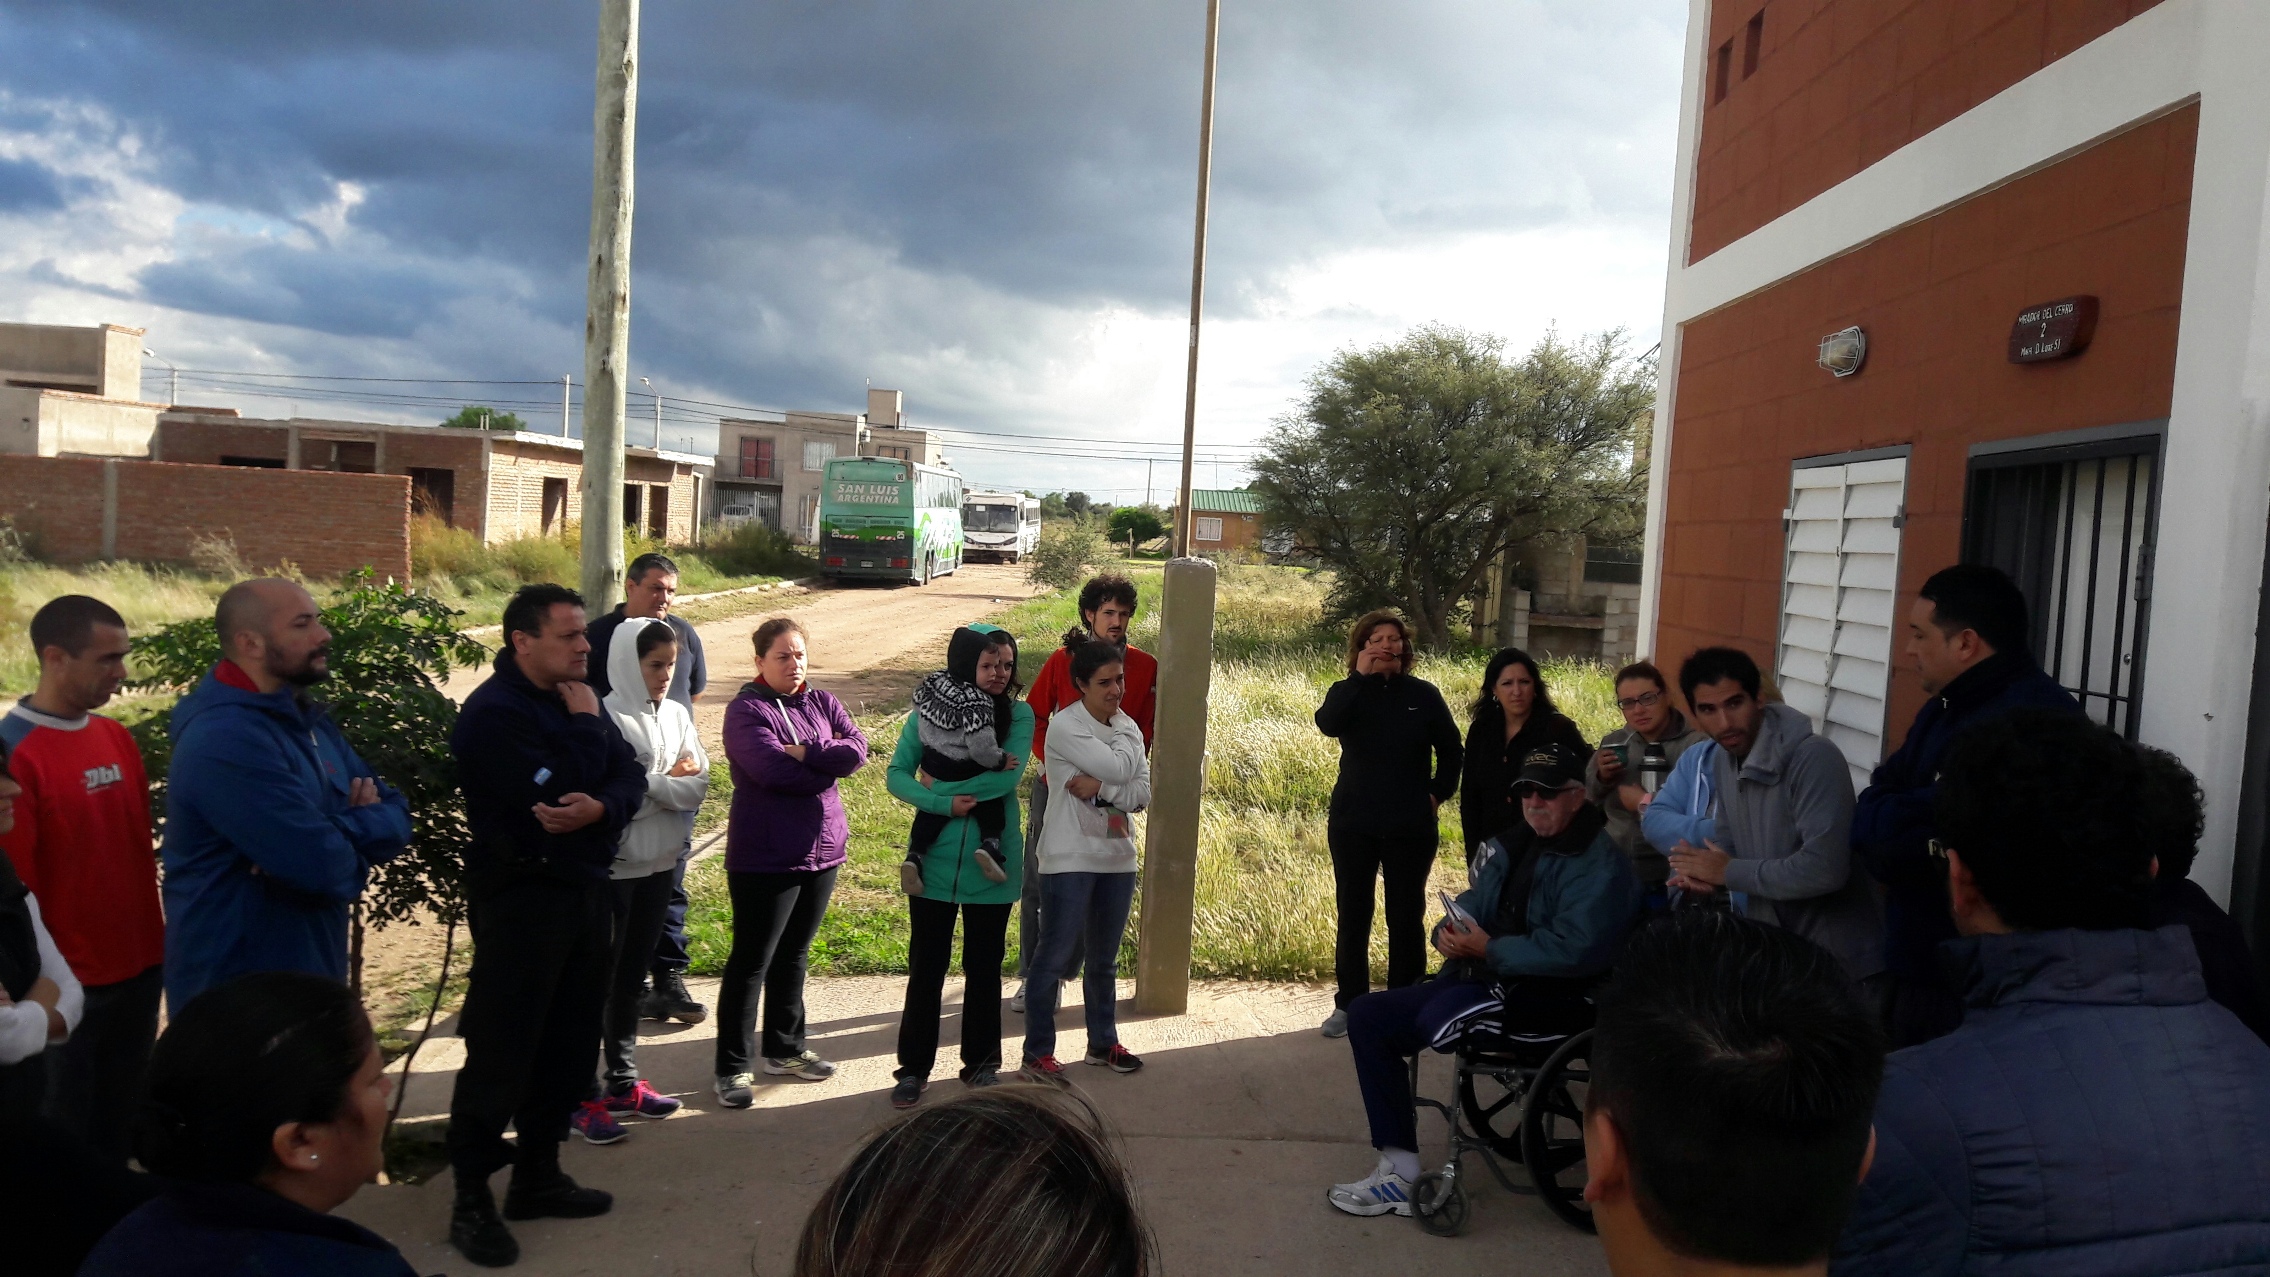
<point>82,841</point>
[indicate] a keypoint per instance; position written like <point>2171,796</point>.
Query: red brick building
<point>1978,280</point>
<point>499,484</point>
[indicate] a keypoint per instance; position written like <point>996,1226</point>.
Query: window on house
<point>256,463</point>
<point>1753,40</point>
<point>433,491</point>
<point>1208,529</point>
<point>1722,71</point>
<point>896,454</point>
<point>1611,564</point>
<point>817,454</point>
<point>1838,599</point>
<point>757,458</point>
<point>2074,527</point>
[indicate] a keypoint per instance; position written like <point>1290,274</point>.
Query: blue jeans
<point>1078,910</point>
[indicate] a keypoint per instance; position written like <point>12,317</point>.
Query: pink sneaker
<point>642,1101</point>
<point>1045,1069</point>
<point>596,1124</point>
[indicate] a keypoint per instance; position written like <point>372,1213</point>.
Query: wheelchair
<point>1519,1097</point>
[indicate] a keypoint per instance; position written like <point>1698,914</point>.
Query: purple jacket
<point>787,815</point>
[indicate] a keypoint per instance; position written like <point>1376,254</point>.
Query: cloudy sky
<point>985,204</point>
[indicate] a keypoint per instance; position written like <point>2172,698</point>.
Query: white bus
<point>1002,526</point>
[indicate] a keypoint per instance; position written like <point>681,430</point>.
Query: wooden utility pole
<point>607,318</point>
<point>1197,278</point>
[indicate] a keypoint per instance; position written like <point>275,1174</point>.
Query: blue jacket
<point>1891,822</point>
<point>263,854</point>
<point>238,1230</point>
<point>2095,1116</point>
<point>1685,809</point>
<point>1581,905</point>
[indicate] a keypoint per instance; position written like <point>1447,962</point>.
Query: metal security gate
<point>2073,526</point>
<point>1838,598</point>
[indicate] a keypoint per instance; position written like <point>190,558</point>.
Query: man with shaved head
<point>272,820</point>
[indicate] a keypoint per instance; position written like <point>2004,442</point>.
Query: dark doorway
<point>433,491</point>
<point>256,463</point>
<point>555,505</point>
<point>2073,525</point>
<point>631,505</point>
<point>658,512</point>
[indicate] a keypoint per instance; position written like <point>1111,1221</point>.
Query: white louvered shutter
<point>1838,601</point>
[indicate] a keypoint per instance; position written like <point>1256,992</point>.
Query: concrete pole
<point>1178,775</point>
<point>607,319</point>
<point>1181,541</point>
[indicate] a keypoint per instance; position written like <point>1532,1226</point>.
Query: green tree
<point>1408,467</point>
<point>1142,522</point>
<point>1052,507</point>
<point>1076,504</point>
<point>1067,549</point>
<point>483,417</point>
<point>391,649</point>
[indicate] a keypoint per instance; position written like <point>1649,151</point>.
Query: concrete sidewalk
<point>1241,1118</point>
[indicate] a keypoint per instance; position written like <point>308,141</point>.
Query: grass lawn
<point>1264,907</point>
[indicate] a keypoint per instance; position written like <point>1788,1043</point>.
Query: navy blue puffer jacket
<point>2096,1115</point>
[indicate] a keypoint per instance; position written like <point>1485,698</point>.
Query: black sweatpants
<point>930,950</point>
<point>93,1077</point>
<point>542,950</point>
<point>775,916</point>
<point>991,814</point>
<point>1403,861</point>
<point>641,908</point>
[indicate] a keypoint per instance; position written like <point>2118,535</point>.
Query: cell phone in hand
<point>1454,912</point>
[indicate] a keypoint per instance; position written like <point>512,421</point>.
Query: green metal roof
<point>1225,500</point>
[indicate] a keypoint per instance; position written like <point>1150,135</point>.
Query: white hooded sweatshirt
<point>658,732</point>
<point>1076,834</point>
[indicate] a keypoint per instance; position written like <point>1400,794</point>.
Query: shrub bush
<point>755,549</point>
<point>1067,547</point>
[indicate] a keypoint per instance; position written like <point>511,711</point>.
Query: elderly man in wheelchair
<point>1551,902</point>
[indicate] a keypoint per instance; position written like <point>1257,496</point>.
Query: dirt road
<point>868,643</point>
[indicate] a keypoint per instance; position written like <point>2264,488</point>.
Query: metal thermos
<point>1654,768</point>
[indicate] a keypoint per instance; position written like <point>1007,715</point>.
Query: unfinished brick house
<point>498,484</point>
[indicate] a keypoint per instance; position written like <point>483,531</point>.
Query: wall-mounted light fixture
<point>1843,352</point>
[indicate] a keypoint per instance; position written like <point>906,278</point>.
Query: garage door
<point>1839,597</point>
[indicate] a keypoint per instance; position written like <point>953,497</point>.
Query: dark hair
<point>1740,1071</point>
<point>1106,587</point>
<point>1640,669</point>
<point>1716,665</point>
<point>2055,817</point>
<point>1089,657</point>
<point>1372,620</point>
<point>531,605</point>
<point>654,636</point>
<point>1974,596</point>
<point>769,633</point>
<point>284,1046</point>
<point>646,563</point>
<point>2178,811</point>
<point>1486,703</point>
<point>68,621</point>
<point>1011,1181</point>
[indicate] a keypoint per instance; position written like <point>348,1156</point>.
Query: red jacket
<point>1053,690</point>
<point>82,842</point>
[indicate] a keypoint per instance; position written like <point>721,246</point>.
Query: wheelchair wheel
<point>1439,1204</point>
<point>1552,1130</point>
<point>1491,1100</point>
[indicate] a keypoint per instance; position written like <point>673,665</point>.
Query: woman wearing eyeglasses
<point>1513,715</point>
<point>1634,760</point>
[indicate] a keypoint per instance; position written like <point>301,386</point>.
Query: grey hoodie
<point>1785,815</point>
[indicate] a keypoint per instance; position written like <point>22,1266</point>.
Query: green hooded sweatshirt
<point>949,871</point>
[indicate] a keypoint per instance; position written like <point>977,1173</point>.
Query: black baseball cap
<point>1551,767</point>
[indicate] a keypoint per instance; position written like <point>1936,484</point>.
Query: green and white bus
<point>888,520</point>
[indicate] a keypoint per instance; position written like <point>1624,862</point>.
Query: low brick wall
<point>326,524</point>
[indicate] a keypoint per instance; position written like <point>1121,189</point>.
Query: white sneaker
<point>1017,999</point>
<point>808,1066</point>
<point>1383,1192</point>
<point>1336,1025</point>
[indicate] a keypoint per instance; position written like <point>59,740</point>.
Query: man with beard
<point>272,820</point>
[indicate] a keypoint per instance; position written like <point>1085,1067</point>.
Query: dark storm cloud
<point>27,187</point>
<point>794,154</point>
